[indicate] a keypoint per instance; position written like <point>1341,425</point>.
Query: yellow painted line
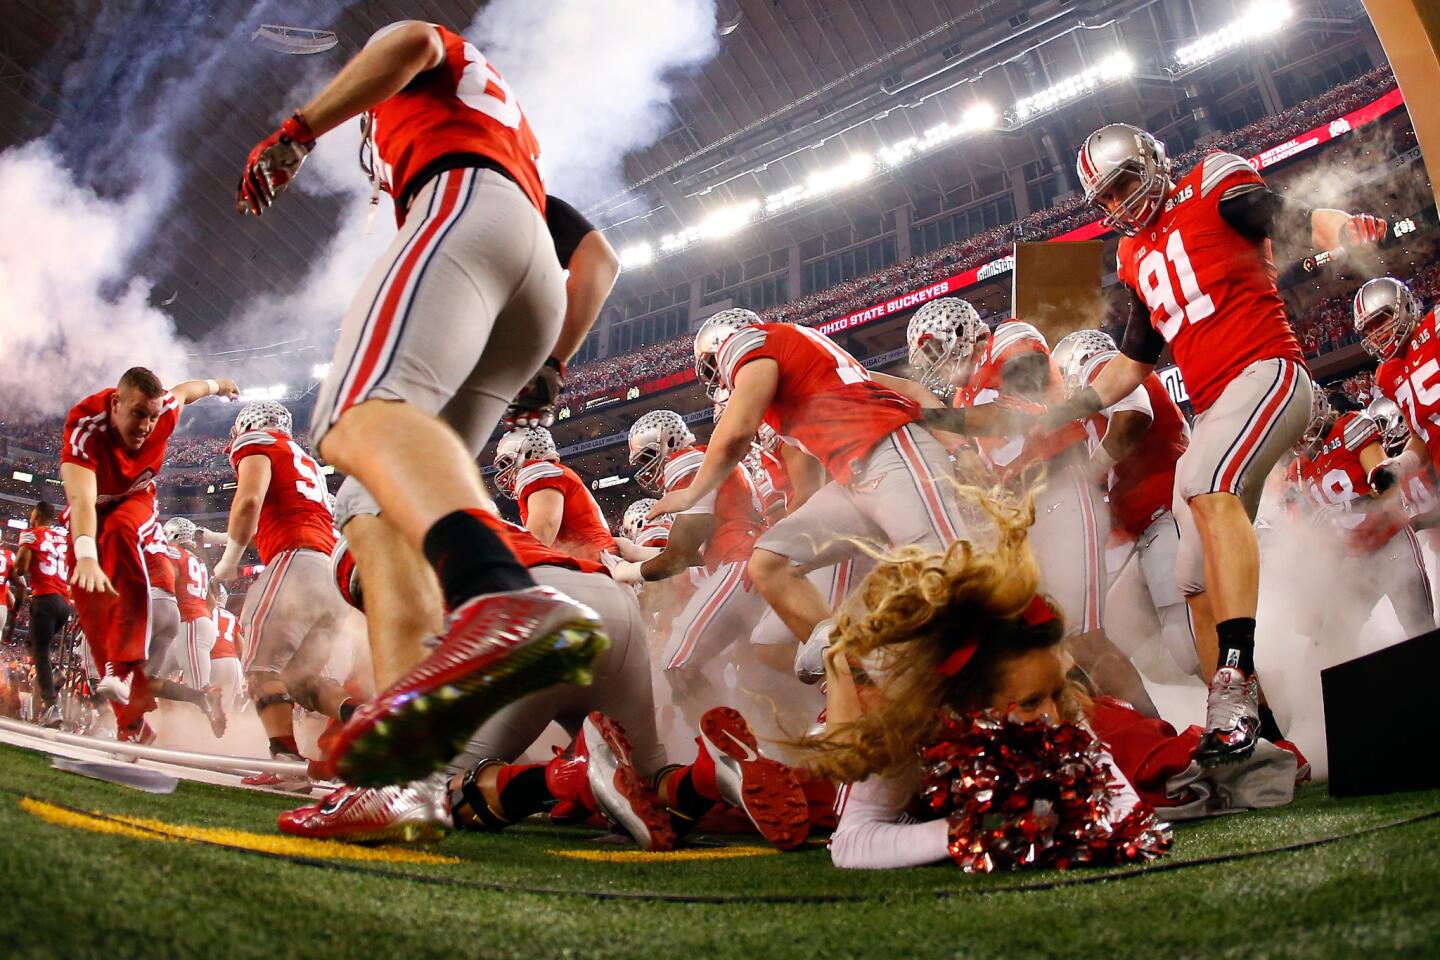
<point>674,856</point>
<point>144,829</point>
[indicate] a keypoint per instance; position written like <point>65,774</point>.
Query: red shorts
<point>118,627</point>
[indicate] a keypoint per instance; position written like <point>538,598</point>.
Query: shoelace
<point>1227,704</point>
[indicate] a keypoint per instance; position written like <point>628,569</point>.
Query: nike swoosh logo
<point>750,753</point>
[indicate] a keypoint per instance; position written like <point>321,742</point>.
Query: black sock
<point>347,710</point>
<point>526,793</point>
<point>279,745</point>
<point>471,558</point>
<point>170,690</point>
<point>686,805</point>
<point>1237,644</point>
<point>1269,728</point>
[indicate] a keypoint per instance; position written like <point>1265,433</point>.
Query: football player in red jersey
<point>555,505</point>
<point>1343,448</point>
<point>1396,329</point>
<point>1196,256</point>
<point>225,669</point>
<point>1135,449</point>
<point>111,451</point>
<point>7,595</point>
<point>44,561</point>
<point>292,615</point>
<point>462,317</point>
<point>888,475</point>
<point>718,532</point>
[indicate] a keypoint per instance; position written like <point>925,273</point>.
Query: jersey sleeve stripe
<point>745,341</point>
<point>534,473</point>
<point>1015,332</point>
<point>1360,432</point>
<point>27,539</point>
<point>686,464</point>
<point>1217,167</point>
<point>253,438</point>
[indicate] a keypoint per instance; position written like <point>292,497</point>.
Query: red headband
<point>1036,613</point>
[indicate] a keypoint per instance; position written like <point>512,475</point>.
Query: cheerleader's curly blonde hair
<point>914,610</point>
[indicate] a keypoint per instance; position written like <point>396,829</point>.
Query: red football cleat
<point>594,774</point>
<point>496,649</point>
<point>729,767</point>
<point>1302,766</point>
<point>406,814</point>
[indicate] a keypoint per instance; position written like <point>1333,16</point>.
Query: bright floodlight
<point>1262,19</point>
<point>636,256</point>
<point>1114,67</point>
<point>320,371</point>
<point>981,116</point>
<point>276,392</point>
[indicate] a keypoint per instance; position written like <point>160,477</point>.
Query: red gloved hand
<point>1363,230</point>
<point>273,164</point>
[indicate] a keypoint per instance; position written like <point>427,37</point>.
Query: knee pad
<point>256,681</point>
<point>271,699</point>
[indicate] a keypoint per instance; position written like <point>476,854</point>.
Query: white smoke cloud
<point>73,315</point>
<point>592,77</point>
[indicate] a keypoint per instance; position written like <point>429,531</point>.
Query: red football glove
<point>273,164</point>
<point>1363,230</point>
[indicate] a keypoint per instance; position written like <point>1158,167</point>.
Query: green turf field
<point>67,891</point>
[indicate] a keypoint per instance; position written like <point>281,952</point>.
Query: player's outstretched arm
<point>1122,435</point>
<point>392,58</point>
<point>909,388</point>
<point>807,474</point>
<point>252,482</point>
<point>755,385</point>
<point>1387,473</point>
<point>1260,212</point>
<point>191,390</point>
<point>79,484</point>
<point>688,535</point>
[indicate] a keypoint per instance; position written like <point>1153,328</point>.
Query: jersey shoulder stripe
<point>1218,167</point>
<point>682,465</point>
<point>1015,332</point>
<point>251,439</point>
<point>741,344</point>
<point>27,539</point>
<point>1095,364</point>
<point>534,473</point>
<point>1360,432</point>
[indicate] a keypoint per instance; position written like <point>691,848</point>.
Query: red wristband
<point>298,130</point>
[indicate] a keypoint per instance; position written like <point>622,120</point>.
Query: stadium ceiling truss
<point>855,74</point>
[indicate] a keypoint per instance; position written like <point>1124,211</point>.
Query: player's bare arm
<point>910,389</point>
<point>806,474</point>
<point>252,483</point>
<point>594,266</point>
<point>191,390</point>
<point>1260,212</point>
<point>688,536</point>
<point>1388,472</point>
<point>79,484</point>
<point>1122,436</point>
<point>392,58</point>
<point>755,385</point>
<point>545,509</point>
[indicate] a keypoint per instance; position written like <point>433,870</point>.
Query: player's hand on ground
<point>535,405</point>
<point>1363,230</point>
<point>90,578</point>
<point>676,501</point>
<point>272,164</point>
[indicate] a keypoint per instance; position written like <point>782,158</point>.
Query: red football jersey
<point>1418,493</point>
<point>227,635</point>
<point>462,107</point>
<point>1412,380</point>
<point>49,560</point>
<point>192,586</point>
<point>119,472</point>
<point>583,530</point>
<point>782,488</point>
<point>533,553</point>
<point>825,402</point>
<point>295,514</point>
<point>158,556</point>
<point>1142,485</point>
<point>1333,476</point>
<point>1210,289</point>
<point>6,559</point>
<point>736,505</point>
<point>1013,339</point>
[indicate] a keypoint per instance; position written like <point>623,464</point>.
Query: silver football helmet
<point>634,522</point>
<point>1320,413</point>
<point>262,415</point>
<point>1386,313</point>
<point>1117,151</point>
<point>653,438</point>
<point>1075,351</point>
<point>709,339</point>
<point>941,335</point>
<point>1394,431</point>
<point>180,531</point>
<point>517,448</point>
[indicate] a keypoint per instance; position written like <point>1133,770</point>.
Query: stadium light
<point>14,523</point>
<point>320,371</point>
<point>1117,66</point>
<point>23,477</point>
<point>276,392</point>
<point>1263,18</point>
<point>636,255</point>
